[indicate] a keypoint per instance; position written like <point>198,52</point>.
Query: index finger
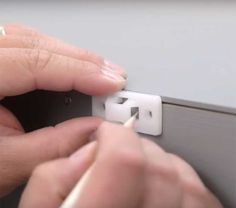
<point>116,178</point>
<point>20,36</point>
<point>24,70</point>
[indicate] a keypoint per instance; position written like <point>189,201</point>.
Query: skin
<point>29,61</point>
<point>126,171</point>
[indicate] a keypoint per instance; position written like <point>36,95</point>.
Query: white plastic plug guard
<point>119,106</point>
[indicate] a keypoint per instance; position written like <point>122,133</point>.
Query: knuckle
<point>130,159</point>
<point>33,43</point>
<point>149,143</point>
<point>38,59</point>
<point>40,172</point>
<point>162,167</point>
<point>193,187</point>
<point>165,171</point>
<point>103,128</point>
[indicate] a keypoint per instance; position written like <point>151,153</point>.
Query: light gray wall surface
<point>183,51</point>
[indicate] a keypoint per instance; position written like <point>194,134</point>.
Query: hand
<point>126,172</point>
<point>29,61</point>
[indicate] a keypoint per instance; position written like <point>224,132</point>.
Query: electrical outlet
<point>120,106</point>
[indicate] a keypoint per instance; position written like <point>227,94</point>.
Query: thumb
<point>51,182</point>
<point>19,155</point>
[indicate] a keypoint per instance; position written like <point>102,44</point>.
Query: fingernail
<point>115,68</point>
<point>113,76</point>
<point>2,31</point>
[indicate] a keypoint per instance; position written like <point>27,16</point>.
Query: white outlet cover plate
<point>120,106</point>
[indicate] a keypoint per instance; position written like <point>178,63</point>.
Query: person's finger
<point>7,131</point>
<point>117,175</point>
<point>59,47</point>
<point>20,154</point>
<point>9,125</point>
<point>196,194</point>
<point>29,69</point>
<point>162,181</point>
<point>32,39</point>
<point>51,182</point>
<point>21,30</point>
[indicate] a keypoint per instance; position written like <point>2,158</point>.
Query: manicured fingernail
<point>115,68</point>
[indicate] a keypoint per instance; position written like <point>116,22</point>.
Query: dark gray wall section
<point>207,140</point>
<point>40,109</point>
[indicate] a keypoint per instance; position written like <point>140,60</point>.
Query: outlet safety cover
<point>120,106</point>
